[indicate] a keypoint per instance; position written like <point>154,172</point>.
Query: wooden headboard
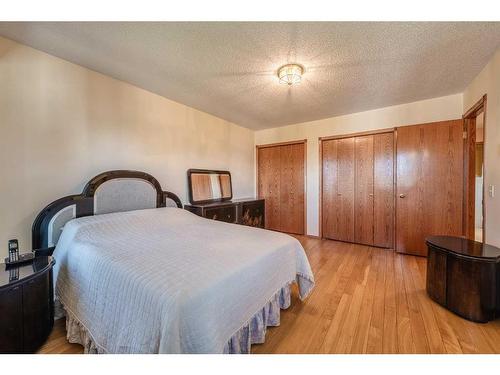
<point>112,191</point>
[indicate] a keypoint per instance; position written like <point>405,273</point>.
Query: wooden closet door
<point>383,190</point>
<point>269,178</point>
<point>345,183</point>
<point>330,194</point>
<point>429,184</point>
<point>363,191</point>
<point>292,188</point>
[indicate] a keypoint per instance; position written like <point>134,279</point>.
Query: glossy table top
<point>13,275</point>
<point>466,247</point>
<point>224,203</point>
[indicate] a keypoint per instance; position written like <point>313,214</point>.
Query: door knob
<point>402,195</point>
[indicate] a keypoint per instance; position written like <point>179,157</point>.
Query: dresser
<point>211,196</point>
<point>26,305</point>
<point>249,211</point>
<point>464,276</point>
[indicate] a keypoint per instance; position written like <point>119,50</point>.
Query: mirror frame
<point>207,171</point>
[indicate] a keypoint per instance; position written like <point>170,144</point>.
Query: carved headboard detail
<point>112,191</point>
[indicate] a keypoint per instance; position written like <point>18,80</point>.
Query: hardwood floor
<point>57,343</point>
<point>366,300</point>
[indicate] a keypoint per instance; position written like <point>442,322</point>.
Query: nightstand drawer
<point>227,214</point>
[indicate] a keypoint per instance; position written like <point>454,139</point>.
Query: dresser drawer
<point>253,214</point>
<point>227,214</point>
<point>249,212</point>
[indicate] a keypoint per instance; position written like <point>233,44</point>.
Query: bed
<point>135,273</point>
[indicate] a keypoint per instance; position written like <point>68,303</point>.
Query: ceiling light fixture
<point>290,74</point>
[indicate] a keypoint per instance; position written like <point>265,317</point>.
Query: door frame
<point>350,135</point>
<point>472,113</point>
<point>287,143</point>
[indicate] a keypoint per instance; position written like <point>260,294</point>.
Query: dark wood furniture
<point>464,276</point>
<point>26,305</point>
<point>357,188</point>
<point>83,204</point>
<point>281,176</point>
<point>249,211</point>
<point>429,183</point>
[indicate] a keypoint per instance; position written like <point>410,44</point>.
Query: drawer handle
<point>402,195</point>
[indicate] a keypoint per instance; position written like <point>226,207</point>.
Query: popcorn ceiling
<point>229,69</point>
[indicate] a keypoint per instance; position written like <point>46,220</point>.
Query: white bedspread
<point>167,281</point>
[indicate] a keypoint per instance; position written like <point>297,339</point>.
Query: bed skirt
<point>253,332</point>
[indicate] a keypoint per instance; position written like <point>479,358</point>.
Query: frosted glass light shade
<point>290,74</point>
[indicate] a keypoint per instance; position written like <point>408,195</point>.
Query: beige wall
<point>444,108</point>
<point>488,82</point>
<point>61,124</point>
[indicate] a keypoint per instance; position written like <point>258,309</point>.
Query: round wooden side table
<point>464,276</point>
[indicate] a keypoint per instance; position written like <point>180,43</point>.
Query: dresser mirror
<point>207,186</point>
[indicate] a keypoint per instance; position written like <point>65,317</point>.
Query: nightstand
<point>26,305</point>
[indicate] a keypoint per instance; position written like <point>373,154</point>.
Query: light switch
<point>491,191</point>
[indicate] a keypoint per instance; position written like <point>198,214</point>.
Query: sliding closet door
<point>338,189</point>
<point>281,182</point>
<point>330,192</point>
<point>429,183</point>
<point>383,190</point>
<point>292,188</point>
<point>358,189</point>
<point>269,178</point>
<point>363,191</point>
<point>346,189</point>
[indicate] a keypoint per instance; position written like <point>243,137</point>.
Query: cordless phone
<point>14,257</point>
<point>13,251</point>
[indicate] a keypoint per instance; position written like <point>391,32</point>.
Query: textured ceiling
<point>229,69</point>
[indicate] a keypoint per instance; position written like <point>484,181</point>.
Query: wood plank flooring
<point>366,300</point>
